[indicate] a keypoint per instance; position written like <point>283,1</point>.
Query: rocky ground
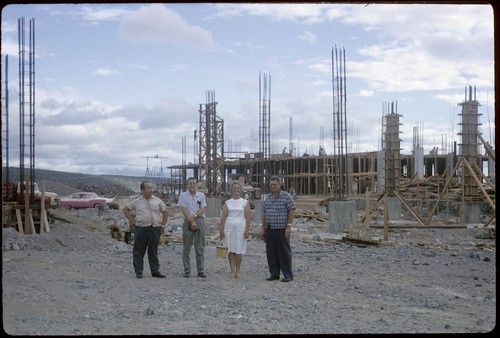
<point>74,281</point>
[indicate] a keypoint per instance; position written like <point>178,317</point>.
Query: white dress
<point>234,227</point>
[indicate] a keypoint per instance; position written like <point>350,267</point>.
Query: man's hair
<point>274,178</point>
<point>192,178</point>
<point>143,184</point>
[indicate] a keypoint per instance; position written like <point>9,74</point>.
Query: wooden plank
<point>29,228</point>
<point>19,221</point>
<point>44,222</point>
<point>31,224</point>
<point>359,242</point>
<point>89,225</point>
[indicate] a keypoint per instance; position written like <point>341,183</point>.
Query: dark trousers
<point>198,238</point>
<point>146,238</point>
<point>279,253</point>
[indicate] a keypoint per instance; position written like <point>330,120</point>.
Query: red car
<point>84,200</point>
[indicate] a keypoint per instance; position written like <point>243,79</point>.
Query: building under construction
<point>463,176</point>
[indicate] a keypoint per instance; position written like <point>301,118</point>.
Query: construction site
<point>382,242</point>
<point>417,185</point>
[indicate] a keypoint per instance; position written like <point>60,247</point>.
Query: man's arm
<point>262,228</point>
<point>127,212</point>
<point>165,218</point>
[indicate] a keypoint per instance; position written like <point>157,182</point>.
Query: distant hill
<point>65,183</point>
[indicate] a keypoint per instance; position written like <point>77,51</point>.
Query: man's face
<point>275,186</point>
<point>192,185</point>
<point>148,190</point>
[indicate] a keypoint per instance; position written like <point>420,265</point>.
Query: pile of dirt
<point>76,281</point>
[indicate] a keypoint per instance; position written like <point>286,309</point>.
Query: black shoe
<point>202,275</point>
<point>286,280</point>
<point>138,275</point>
<point>158,274</point>
<point>272,278</point>
<point>186,275</point>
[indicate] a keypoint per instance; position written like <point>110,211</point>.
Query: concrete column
<point>342,215</point>
<point>380,172</point>
<point>418,163</point>
<point>257,212</point>
<point>213,207</point>
<point>491,169</point>
<point>394,208</point>
<point>472,213</point>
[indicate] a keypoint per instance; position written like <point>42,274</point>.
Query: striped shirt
<point>276,210</point>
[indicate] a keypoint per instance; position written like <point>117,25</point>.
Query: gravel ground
<point>72,281</point>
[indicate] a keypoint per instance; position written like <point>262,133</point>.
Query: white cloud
<point>105,72</point>
<point>158,24</point>
<point>305,13</point>
<point>309,37</point>
<point>96,14</point>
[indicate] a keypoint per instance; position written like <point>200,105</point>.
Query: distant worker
<point>235,228</point>
<point>193,205</point>
<point>148,215</point>
<point>322,151</point>
<point>277,219</point>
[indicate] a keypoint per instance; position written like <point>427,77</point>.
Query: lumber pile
<point>304,213</point>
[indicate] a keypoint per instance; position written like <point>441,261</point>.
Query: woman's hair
<point>236,183</point>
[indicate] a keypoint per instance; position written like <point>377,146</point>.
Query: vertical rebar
<point>339,124</point>
<point>265,125</point>
<point>27,103</point>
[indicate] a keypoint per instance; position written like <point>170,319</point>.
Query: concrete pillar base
<point>472,213</point>
<point>393,208</point>
<point>213,207</point>
<point>342,214</point>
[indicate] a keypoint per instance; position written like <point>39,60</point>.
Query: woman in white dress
<point>235,227</point>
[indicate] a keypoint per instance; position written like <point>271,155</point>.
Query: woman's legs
<point>231,256</point>
<point>238,258</point>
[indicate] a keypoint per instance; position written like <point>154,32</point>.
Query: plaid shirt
<point>276,210</point>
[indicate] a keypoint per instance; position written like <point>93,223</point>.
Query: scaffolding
<point>211,140</point>
<point>5,125</point>
<point>392,149</point>
<point>469,145</point>
<point>27,103</point>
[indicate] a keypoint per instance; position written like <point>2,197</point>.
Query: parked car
<point>84,200</point>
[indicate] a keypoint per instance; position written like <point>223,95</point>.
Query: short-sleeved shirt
<point>192,203</point>
<point>276,210</point>
<point>148,212</point>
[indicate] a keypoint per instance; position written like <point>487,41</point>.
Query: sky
<point>118,87</point>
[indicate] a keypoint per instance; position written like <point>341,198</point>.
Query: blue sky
<point>116,83</point>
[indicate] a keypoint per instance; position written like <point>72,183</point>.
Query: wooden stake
<point>386,220</point>
<point>28,219</point>
<point>44,222</point>
<point>19,221</point>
